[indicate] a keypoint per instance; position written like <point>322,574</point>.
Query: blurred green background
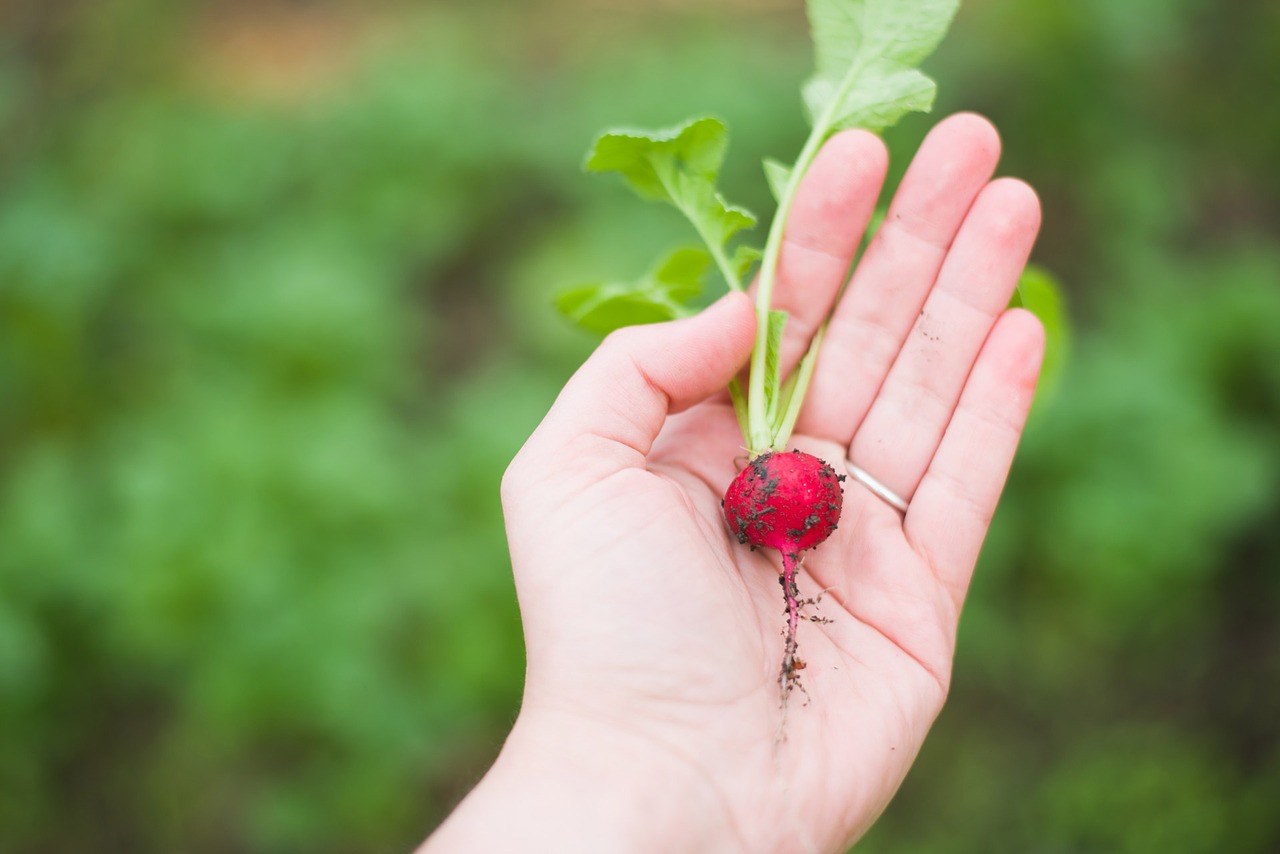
<point>275,311</point>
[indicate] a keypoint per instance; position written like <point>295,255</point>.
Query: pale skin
<point>652,710</point>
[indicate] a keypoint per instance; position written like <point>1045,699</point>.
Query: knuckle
<point>513,480</point>
<point>620,342</point>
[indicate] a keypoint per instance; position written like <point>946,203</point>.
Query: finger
<point>828,217</point>
<point>949,516</point>
<point>611,410</point>
<point>900,434</point>
<point>895,274</point>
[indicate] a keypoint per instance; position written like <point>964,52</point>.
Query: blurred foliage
<point>275,310</point>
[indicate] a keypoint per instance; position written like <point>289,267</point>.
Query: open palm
<point>654,638</point>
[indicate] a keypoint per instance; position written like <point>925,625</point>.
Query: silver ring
<point>888,495</point>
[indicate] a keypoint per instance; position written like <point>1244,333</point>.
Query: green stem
<point>722,261</point>
<point>760,436</point>
<point>739,404</point>
<point>717,250</point>
<point>802,376</point>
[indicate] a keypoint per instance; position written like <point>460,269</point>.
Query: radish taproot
<point>790,502</point>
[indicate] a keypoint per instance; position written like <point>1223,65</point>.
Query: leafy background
<point>275,310</point>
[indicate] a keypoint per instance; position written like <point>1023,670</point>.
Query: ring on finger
<point>890,497</point>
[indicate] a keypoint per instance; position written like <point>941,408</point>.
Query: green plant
<point>866,55</point>
<point>866,76</point>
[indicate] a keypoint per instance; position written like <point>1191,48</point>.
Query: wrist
<point>565,782</point>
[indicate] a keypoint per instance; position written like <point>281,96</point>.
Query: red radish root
<point>790,502</point>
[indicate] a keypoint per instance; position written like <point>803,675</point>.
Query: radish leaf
<point>1040,294</point>
<point>744,258</point>
<point>661,294</point>
<point>875,105</point>
<point>679,165</point>
<point>865,55</point>
<point>772,383</point>
<point>777,174</point>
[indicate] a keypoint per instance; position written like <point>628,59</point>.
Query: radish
<point>790,502</point>
<point>866,56</point>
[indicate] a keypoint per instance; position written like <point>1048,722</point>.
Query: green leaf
<point>679,276</point>
<point>877,103</point>
<point>744,258</point>
<point>778,174</point>
<point>779,414</point>
<point>680,166</point>
<point>661,294</point>
<point>777,320</point>
<point>866,52</point>
<point>1039,292</point>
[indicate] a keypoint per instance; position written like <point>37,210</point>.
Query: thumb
<point>617,402</point>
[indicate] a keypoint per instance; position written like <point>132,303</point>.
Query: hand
<point>652,716</point>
